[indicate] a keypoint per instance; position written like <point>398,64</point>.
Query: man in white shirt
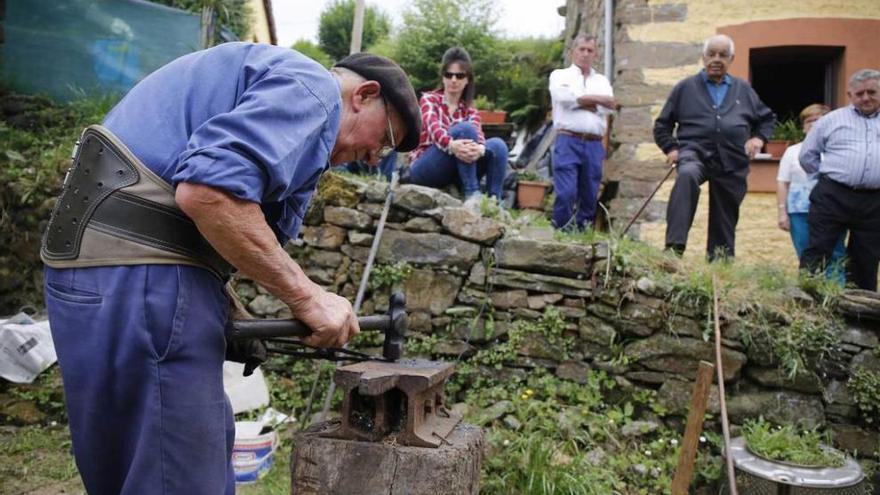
<point>582,98</point>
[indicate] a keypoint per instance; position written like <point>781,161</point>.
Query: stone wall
<point>465,267</point>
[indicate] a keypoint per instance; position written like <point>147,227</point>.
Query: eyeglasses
<point>455,75</point>
<point>386,150</point>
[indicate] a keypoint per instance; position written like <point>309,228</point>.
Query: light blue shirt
<point>255,120</point>
<point>844,145</point>
<point>716,90</point>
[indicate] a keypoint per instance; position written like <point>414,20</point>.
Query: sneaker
<point>473,203</point>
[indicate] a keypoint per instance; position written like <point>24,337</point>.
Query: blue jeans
<point>436,168</point>
<point>577,172</point>
<point>141,352</point>
<point>800,237</point>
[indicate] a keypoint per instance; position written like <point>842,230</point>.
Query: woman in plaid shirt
<point>452,146</point>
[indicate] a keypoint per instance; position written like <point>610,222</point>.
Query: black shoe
<point>678,249</point>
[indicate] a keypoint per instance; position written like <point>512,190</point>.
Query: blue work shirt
<point>258,121</point>
<point>845,146</point>
<point>716,90</point>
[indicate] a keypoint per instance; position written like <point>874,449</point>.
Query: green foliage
<point>45,392</point>
<point>430,27</point>
<point>864,385</point>
<point>35,456</point>
<point>337,19</point>
<point>787,444</point>
<point>389,275</point>
<point>525,94</point>
<point>548,331</point>
<point>788,130</point>
<point>36,137</point>
<point>481,102</point>
<point>235,15</point>
<point>314,52</point>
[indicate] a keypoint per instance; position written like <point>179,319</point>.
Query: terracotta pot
<point>776,148</point>
<point>493,116</point>
<point>530,194</point>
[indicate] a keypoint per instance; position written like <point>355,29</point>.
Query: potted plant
<point>530,190</point>
<point>786,133</point>
<point>488,114</point>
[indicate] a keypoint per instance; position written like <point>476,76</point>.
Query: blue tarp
<point>64,48</point>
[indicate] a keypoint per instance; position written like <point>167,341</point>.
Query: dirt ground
<point>758,239</point>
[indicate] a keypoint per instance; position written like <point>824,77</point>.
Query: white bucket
<point>252,452</point>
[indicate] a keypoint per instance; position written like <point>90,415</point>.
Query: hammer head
<point>396,330</point>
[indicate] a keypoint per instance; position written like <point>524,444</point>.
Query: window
<point>788,78</point>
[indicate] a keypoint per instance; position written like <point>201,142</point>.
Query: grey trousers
<point>726,192</point>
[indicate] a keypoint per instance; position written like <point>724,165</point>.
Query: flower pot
<point>530,194</point>
<point>492,116</point>
<point>776,148</point>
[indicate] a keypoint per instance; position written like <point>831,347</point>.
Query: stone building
<point>794,52</point>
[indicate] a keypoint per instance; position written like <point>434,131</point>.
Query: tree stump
<point>320,465</point>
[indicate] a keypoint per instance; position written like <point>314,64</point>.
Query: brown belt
<point>583,136</point>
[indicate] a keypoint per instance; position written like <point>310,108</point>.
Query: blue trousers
<point>141,353</point>
<point>800,237</point>
<point>436,168</point>
<point>577,172</point>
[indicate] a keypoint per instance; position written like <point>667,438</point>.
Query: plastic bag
<point>26,348</point>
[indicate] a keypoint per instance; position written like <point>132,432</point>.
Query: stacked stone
<point>465,267</point>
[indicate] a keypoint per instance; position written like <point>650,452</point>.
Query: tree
<point>430,27</point>
<point>314,52</point>
<point>525,94</point>
<point>233,14</point>
<point>334,27</point>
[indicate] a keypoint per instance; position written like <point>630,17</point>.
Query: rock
<point>860,305</point>
<point>372,209</point>
<point>454,348</point>
<point>675,396</point>
<point>594,330</point>
<point>376,191</point>
<point>511,422</point>
<point>552,258</point>
<point>684,327</point>
<point>571,313</point>
<point>509,299</point>
<point>419,199</point>
<point>855,439</point>
<point>360,238</point>
<point>860,336</point>
<point>418,321</point>
<point>805,381</point>
<point>323,259</point>
<point>525,313</point>
<point>535,282</point>
<point>866,360</point>
<point>537,346</point>
<point>320,275</point>
<point>347,217</point>
<point>682,355</point>
<point>536,302</point>
<point>782,407</point>
<point>638,428</point>
<point>19,411</point>
<point>356,253</point>
<point>325,236</point>
<point>611,367</point>
<point>470,226</point>
<point>651,377</point>
<point>477,275</point>
<point>431,291</point>
<point>427,249</point>
<point>576,371</point>
<point>836,392</point>
<point>536,233</point>
<point>338,190</point>
<point>493,412</point>
<point>265,305</point>
<point>650,287</point>
<point>481,331</point>
<point>421,224</point>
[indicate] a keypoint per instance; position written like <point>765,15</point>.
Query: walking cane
<point>645,204</point>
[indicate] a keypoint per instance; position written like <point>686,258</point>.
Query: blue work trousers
<point>436,168</point>
<point>577,172</point>
<point>141,352</point>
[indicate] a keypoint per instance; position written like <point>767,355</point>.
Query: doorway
<point>788,78</point>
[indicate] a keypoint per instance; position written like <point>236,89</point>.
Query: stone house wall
<point>465,266</point>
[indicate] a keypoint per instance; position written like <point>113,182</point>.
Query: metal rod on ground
<point>328,397</point>
<point>725,426</point>
<point>684,472</point>
<point>648,200</point>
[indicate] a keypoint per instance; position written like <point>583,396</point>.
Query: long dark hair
<point>460,56</point>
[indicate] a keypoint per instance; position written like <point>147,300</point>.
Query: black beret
<point>396,88</point>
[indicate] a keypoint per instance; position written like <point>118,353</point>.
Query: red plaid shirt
<point>436,121</point>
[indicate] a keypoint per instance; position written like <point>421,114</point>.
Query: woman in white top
<point>793,188</point>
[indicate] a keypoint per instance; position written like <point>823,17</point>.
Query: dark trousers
<point>577,172</point>
<point>834,209</point>
<point>726,192</point>
<point>141,352</point>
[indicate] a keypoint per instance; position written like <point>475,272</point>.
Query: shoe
<point>473,203</point>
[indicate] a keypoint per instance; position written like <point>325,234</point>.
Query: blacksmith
<point>207,164</point>
<point>721,125</point>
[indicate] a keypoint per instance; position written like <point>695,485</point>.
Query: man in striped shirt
<point>844,148</point>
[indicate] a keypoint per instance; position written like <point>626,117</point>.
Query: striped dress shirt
<point>844,146</point>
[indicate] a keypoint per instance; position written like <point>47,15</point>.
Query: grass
<point>35,456</point>
<point>787,444</point>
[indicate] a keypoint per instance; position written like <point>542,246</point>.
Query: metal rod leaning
<point>725,426</point>
<point>648,200</point>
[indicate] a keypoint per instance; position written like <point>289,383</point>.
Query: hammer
<point>393,324</point>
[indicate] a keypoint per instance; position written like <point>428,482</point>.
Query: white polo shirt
<point>566,85</point>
